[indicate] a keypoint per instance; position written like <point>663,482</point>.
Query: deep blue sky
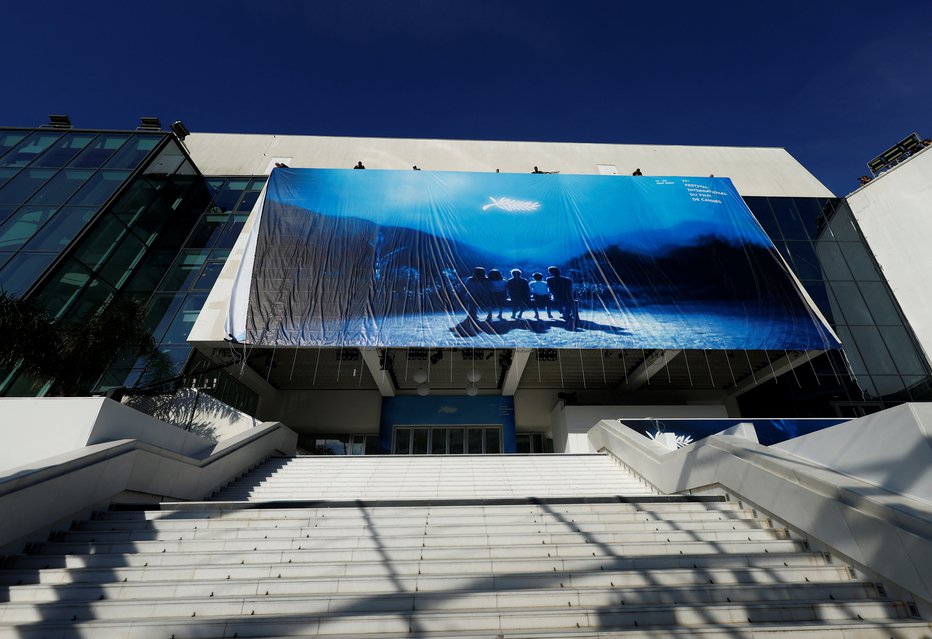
<point>834,81</point>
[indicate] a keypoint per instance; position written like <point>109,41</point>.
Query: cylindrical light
<point>473,376</point>
<point>420,376</point>
<point>472,390</point>
<point>423,390</point>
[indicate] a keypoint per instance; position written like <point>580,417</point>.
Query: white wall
<point>571,424</point>
<point>894,212</point>
<point>32,429</point>
<point>892,449</point>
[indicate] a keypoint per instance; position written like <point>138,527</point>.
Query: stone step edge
<point>557,577</point>
<point>395,503</point>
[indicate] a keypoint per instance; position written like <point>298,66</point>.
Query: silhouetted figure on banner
<point>477,289</point>
<point>536,170</point>
<point>540,294</point>
<point>520,293</point>
<point>498,288</point>
<point>415,168</point>
<point>561,289</point>
<point>637,172</point>
<point>281,165</point>
<point>359,165</point>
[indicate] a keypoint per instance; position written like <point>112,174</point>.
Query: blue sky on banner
<point>548,217</point>
<point>835,82</point>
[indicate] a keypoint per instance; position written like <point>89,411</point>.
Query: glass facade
<point>87,215</point>
<point>822,244</point>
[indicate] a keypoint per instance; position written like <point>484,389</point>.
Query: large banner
<point>448,259</point>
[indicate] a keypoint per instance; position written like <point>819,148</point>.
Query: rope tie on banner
<point>705,354</point>
<point>812,366</point>
<point>602,361</point>
<point>772,371</point>
<point>750,366</point>
<point>689,373</point>
<point>644,361</point>
<point>316,364</point>
<point>624,365</point>
<point>582,367</point>
<point>734,382</point>
<point>293,362</point>
<point>792,368</point>
<point>560,362</point>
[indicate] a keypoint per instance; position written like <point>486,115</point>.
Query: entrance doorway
<point>447,440</point>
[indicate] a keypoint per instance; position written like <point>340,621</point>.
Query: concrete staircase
<point>345,547</point>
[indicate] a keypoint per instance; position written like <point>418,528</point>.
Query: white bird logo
<point>511,205</point>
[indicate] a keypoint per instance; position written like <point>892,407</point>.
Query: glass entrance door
<point>447,440</point>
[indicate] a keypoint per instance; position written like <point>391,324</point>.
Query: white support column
<point>777,368</point>
<point>515,371</point>
<point>382,379</point>
<point>653,364</point>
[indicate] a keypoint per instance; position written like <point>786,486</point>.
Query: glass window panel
<point>178,331</point>
<point>6,212</point>
<point>9,139</point>
<point>186,169</point>
<point>98,245</point>
<point>372,444</point>
<point>492,441</point>
<point>859,261</point>
<point>523,442</point>
<point>22,270</point>
<point>820,296</point>
<point>474,441</point>
<point>220,254</point>
<point>6,174</point>
<point>100,187</point>
<point>63,151</point>
<point>133,152</point>
<point>918,387</point>
<point>99,151</point>
<point>184,271</point>
<point>419,440</point>
<point>22,225</point>
<point>438,441</point>
<point>4,258</point>
<point>208,230</point>
<point>841,225</point>
<point>161,312</point>
<point>249,199</point>
<point>851,351</point>
<point>907,359</point>
<point>214,185</point>
<point>231,231</point>
<point>63,287</point>
<point>21,187</point>
<point>121,262</point>
<point>208,276</point>
<point>61,230</point>
<point>457,446</point>
<point>165,163</point>
<point>880,303</point>
<point>95,296</point>
<point>833,262</point>
<point>761,209</point>
<point>177,356</point>
<point>61,187</point>
<point>138,196</point>
<point>784,209</point>
<point>804,261</point>
<point>230,193</point>
<point>27,150</point>
<point>888,384</point>
<point>873,350</point>
<point>810,215</point>
<point>402,445</point>
<point>150,272</point>
<point>852,305</point>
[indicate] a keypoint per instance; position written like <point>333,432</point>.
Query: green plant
<point>72,355</point>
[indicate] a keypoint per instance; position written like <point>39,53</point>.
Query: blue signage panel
<point>448,259</point>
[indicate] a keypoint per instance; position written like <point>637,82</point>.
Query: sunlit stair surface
<point>434,477</point>
<point>308,562</point>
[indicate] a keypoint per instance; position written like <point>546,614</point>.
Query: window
<point>21,187</point>
<point>447,440</point>
<point>22,225</point>
<point>63,151</point>
<point>61,230</point>
<point>27,150</point>
<point>133,152</point>
<point>99,151</point>
<point>61,187</point>
<point>100,187</point>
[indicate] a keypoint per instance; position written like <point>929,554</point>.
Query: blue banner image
<point>447,259</point>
